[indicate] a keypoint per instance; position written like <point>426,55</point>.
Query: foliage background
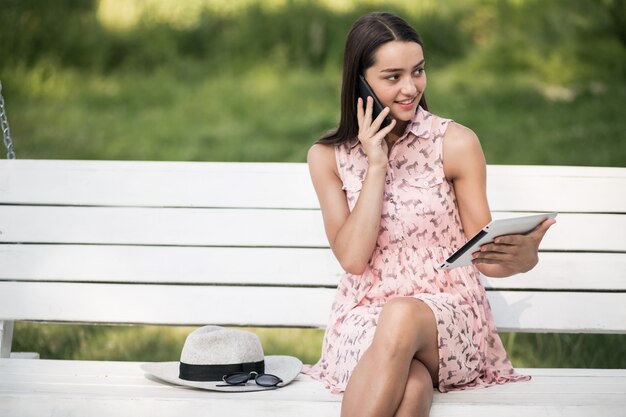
<point>541,82</point>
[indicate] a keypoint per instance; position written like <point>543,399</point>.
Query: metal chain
<point>6,131</point>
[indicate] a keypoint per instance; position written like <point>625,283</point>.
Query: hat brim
<point>286,368</point>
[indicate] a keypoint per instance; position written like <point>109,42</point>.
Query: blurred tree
<point>618,13</point>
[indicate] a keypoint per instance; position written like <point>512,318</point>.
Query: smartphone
<point>364,91</point>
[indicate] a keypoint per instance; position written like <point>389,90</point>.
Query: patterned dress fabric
<point>419,228</point>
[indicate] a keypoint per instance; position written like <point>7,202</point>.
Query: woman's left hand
<point>515,253</point>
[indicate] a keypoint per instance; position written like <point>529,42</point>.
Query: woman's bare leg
<point>418,393</point>
<point>406,330</point>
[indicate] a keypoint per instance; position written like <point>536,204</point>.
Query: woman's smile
<point>408,104</point>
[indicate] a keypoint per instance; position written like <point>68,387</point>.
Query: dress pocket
<point>423,195</point>
<point>427,182</point>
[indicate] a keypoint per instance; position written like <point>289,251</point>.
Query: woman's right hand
<point>371,136</point>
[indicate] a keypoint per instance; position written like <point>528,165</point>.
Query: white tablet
<point>501,227</point>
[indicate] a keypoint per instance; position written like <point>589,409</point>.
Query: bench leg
<point>6,338</point>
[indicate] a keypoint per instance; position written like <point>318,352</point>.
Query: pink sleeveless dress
<point>419,228</point>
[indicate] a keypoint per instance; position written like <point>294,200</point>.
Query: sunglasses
<point>241,378</point>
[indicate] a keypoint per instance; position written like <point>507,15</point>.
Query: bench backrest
<point>243,244</point>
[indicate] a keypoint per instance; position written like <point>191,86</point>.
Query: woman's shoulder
<point>322,162</point>
<point>460,138</point>
<point>462,151</point>
<point>320,152</point>
<point>322,157</point>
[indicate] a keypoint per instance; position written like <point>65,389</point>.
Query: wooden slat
<point>156,184</point>
<point>156,226</point>
<point>582,232</point>
<point>71,405</point>
<point>569,271</point>
<point>121,369</point>
<point>158,264</point>
<point>165,304</point>
<point>263,266</point>
<point>556,188</point>
<point>246,227</point>
<point>120,388</point>
<point>125,374</point>
<point>214,184</point>
<point>559,312</point>
<point>281,306</point>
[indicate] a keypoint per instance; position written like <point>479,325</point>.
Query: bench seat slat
<point>306,307</point>
<point>121,369</point>
<point>66,405</point>
<point>267,266</point>
<point>246,227</point>
<point>123,389</point>
<point>600,382</point>
<point>176,184</point>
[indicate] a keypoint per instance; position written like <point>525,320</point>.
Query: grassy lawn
<point>266,114</point>
<point>146,343</point>
<point>164,343</point>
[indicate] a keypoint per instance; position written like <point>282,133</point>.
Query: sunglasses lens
<point>267,380</point>
<point>235,379</point>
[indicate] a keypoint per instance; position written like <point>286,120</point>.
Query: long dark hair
<point>366,35</point>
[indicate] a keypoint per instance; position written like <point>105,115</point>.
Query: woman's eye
<point>419,71</point>
<point>392,77</point>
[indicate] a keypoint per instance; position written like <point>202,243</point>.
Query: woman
<point>396,201</point>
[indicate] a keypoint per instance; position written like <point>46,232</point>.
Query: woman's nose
<point>408,87</point>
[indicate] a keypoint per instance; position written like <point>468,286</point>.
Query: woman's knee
<point>402,324</point>
<point>406,313</point>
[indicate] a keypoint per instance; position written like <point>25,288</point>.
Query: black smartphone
<point>364,91</point>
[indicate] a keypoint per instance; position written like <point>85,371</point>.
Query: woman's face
<point>398,78</point>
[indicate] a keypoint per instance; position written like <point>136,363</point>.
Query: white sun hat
<point>211,352</point>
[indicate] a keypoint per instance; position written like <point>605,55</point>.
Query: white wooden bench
<point>204,243</point>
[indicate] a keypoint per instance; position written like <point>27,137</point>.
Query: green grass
<point>525,122</point>
<point>540,83</point>
<point>160,116</point>
<point>267,114</point>
<point>146,343</point>
<point>566,350</point>
<point>164,343</point>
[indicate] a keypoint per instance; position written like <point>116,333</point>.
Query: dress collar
<point>420,125</point>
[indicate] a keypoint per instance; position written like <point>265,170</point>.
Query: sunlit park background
<point>539,81</point>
